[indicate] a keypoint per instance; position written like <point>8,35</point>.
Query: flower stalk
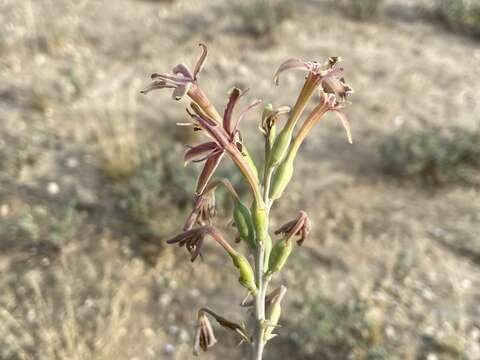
<point>251,222</point>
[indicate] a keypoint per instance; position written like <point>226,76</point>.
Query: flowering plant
<point>252,222</point>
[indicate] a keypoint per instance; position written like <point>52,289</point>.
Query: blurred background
<point>92,179</point>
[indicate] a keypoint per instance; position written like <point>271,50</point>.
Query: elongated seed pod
<point>279,255</point>
<point>250,161</point>
<point>247,278</point>
<point>260,222</point>
<point>272,134</point>
<point>244,223</point>
<point>280,147</point>
<point>281,178</point>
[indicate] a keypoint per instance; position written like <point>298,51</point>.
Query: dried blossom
<point>193,240</point>
<point>203,210</point>
<point>204,336</point>
<point>301,226</point>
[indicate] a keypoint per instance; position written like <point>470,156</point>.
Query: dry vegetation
<point>91,183</point>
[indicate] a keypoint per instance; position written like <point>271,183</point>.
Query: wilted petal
<point>182,237</point>
<point>204,336</point>
<point>332,85</point>
<point>199,152</point>
<point>346,125</point>
<point>227,115</point>
<point>298,227</point>
<point>290,64</point>
<point>200,61</point>
<point>208,170</point>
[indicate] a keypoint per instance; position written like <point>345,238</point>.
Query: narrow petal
<point>346,125</point>
<point>215,132</point>
<point>207,172</point>
<point>227,116</point>
<point>158,84</point>
<point>200,61</point>
<point>182,69</point>
<point>290,64</point>
<point>245,112</point>
<point>182,236</point>
<point>171,79</point>
<point>198,151</point>
<point>180,91</point>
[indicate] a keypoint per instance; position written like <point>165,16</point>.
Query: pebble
<point>53,188</point>
<point>169,349</point>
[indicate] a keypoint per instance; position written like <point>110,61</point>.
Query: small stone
<point>53,188</point>
<point>165,299</point>
<point>169,349</point>
<point>72,163</point>
<point>4,210</point>
<point>184,336</point>
<point>172,329</point>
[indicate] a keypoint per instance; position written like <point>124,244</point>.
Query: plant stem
<point>262,282</point>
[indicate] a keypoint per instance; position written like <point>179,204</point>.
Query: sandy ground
<point>82,279</point>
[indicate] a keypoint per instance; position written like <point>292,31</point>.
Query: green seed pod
<point>280,147</point>
<point>250,161</point>
<point>247,278</point>
<point>281,178</point>
<point>244,223</point>
<point>271,135</point>
<point>279,255</point>
<point>260,221</point>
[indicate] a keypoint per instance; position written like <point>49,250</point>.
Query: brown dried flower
<point>204,337</point>
<point>298,227</point>
<point>203,210</point>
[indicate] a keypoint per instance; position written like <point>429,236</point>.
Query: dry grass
<point>69,77</point>
<point>116,131</point>
<point>75,309</point>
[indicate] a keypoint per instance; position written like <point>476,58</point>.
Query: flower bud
<point>280,147</point>
<point>279,255</point>
<point>281,178</point>
<point>244,223</point>
<point>247,278</point>
<point>260,221</point>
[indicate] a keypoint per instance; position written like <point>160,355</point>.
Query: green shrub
<point>460,15</point>
<point>433,156</point>
<point>365,9</point>
<point>261,18</point>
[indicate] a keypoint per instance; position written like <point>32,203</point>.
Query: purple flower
<point>224,137</point>
<point>181,80</point>
<point>327,75</point>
